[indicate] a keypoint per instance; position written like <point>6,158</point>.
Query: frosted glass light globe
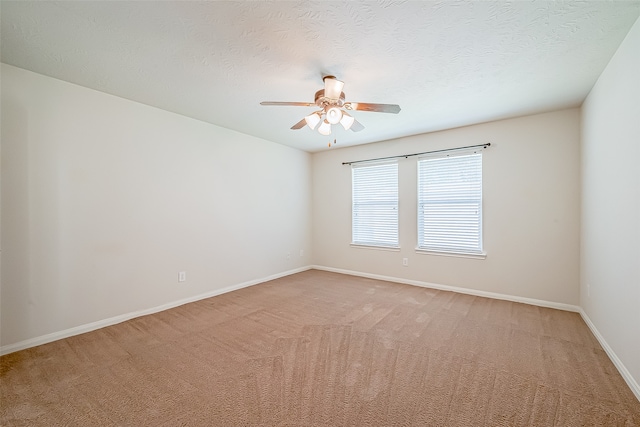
<point>334,114</point>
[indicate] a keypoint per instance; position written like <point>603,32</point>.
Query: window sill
<point>481,255</point>
<point>377,248</point>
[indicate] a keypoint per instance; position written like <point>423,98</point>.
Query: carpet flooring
<point>324,349</point>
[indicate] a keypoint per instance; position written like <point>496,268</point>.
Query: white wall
<point>610,265</point>
<point>104,200</point>
<point>531,209</point>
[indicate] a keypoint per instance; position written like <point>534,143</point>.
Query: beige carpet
<point>323,349</point>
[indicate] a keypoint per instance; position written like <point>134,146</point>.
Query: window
<point>450,203</point>
<point>375,204</point>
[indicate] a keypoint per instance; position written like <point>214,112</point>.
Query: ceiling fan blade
<point>302,123</point>
<point>356,126</point>
<point>291,104</point>
<point>332,87</point>
<point>376,108</point>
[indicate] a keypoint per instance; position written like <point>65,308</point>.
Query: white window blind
<point>375,204</point>
<point>450,203</point>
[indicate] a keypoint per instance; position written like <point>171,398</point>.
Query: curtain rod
<point>488,144</point>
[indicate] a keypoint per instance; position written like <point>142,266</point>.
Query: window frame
<point>450,248</point>
<point>356,230</point>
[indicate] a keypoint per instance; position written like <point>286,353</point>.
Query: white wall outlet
<point>182,276</point>
<point>405,262</point>
<point>301,252</point>
<point>588,290</point>
<point>288,255</point>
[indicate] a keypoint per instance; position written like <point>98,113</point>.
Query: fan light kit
<point>331,101</point>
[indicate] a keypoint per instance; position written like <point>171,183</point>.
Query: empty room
<point>306,213</point>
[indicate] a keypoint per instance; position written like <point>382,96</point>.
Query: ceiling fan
<point>331,101</point>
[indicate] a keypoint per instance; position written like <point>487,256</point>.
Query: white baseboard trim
<point>44,339</point>
<point>474,292</point>
<point>631,382</point>
<point>54,336</point>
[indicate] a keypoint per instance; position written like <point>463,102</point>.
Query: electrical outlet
<point>182,276</point>
<point>588,290</point>
<point>301,252</point>
<point>405,262</point>
<point>288,255</point>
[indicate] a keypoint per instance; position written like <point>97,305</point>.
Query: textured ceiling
<point>446,63</point>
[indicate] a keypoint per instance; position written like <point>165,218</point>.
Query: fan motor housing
<point>322,101</point>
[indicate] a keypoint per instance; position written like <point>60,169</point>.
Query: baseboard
<point>44,339</point>
<point>631,382</point>
<point>474,292</point>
